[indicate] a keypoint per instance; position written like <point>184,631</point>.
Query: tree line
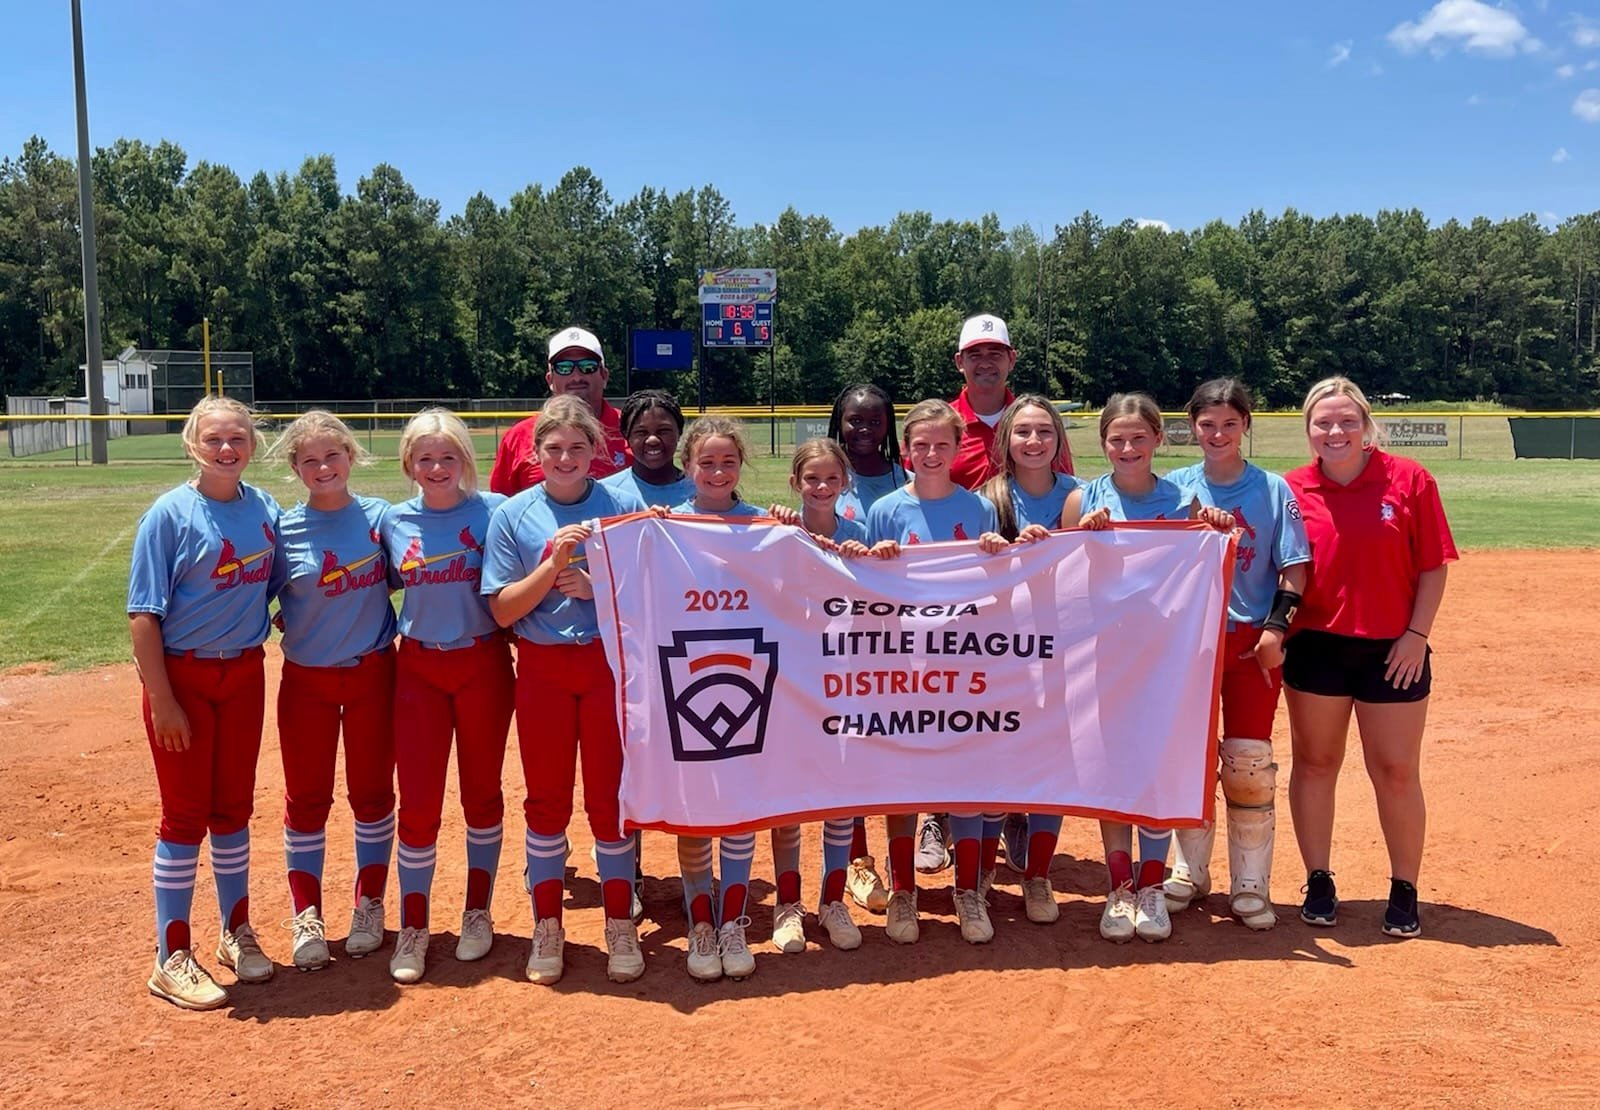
<point>380,295</point>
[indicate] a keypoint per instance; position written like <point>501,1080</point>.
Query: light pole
<point>91,287</point>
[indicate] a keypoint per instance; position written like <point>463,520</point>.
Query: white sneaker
<point>545,962</point>
<point>1150,918</point>
<point>624,961</point>
<point>902,926</point>
<point>705,961</point>
<point>789,927</point>
<point>1116,921</point>
<point>738,961</point>
<point>986,883</point>
<point>366,928</point>
<point>976,927</point>
<point>241,951</point>
<point>842,931</point>
<point>410,955</point>
<point>310,943</point>
<point>477,936</point>
<point>185,983</point>
<point>1039,901</point>
<point>865,885</point>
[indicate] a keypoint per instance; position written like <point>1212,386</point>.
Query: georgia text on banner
<point>763,681</point>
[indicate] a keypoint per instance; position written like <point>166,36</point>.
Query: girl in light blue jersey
<point>652,423</point>
<point>1268,578</point>
<point>338,675</point>
<point>204,568</point>
<point>1130,432</point>
<point>862,422</point>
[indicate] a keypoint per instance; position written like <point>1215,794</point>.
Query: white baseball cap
<point>577,337</point>
<point>984,328</point>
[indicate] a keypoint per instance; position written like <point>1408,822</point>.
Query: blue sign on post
<point>661,350</point>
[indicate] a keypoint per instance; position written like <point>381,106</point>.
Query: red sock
<point>858,839</point>
<point>902,868</point>
<point>177,935</point>
<point>700,910</point>
<point>414,911</point>
<point>240,914</point>
<point>967,863</point>
<point>991,853</point>
<point>1041,850</point>
<point>1120,864</point>
<point>617,895</point>
<point>546,898</point>
<point>305,890</point>
<point>733,903</point>
<point>371,880</point>
<point>1151,873</point>
<point>478,889</point>
<point>789,886</point>
<point>833,887</point>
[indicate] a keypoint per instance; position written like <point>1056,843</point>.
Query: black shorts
<point>1337,666</point>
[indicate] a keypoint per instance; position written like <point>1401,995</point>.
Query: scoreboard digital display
<point>739,324</point>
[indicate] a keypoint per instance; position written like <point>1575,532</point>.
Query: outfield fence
<point>56,436</point>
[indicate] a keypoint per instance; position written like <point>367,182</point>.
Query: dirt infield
<point>1495,1005</point>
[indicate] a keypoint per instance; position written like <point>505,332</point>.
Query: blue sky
<point>1179,112</point>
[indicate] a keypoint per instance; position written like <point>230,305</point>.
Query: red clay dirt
<point>1495,1005</point>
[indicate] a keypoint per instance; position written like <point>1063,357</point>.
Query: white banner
<point>763,681</point>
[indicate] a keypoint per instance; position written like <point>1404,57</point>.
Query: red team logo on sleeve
<point>960,532</point>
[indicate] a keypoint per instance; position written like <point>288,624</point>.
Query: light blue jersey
<point>907,519</point>
<point>1273,535</point>
<point>1044,510</point>
<point>335,603</point>
<point>521,533</point>
<point>437,556</point>
<point>626,481</point>
<point>862,492</point>
<point>740,509</point>
<point>1165,502</point>
<point>207,568</point>
<point>844,529</point>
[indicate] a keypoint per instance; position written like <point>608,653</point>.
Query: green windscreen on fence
<point>1573,438</point>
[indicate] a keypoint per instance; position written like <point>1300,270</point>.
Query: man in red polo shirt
<point>576,367</point>
<point>985,358</point>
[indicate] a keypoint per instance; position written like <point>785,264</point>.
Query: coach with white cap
<point>576,367</point>
<point>985,358</point>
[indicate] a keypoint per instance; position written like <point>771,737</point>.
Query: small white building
<point>126,379</point>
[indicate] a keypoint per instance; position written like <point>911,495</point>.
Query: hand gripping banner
<point>763,681</point>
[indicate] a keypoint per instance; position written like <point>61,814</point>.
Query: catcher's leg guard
<point>1191,866</point>
<point>1249,783</point>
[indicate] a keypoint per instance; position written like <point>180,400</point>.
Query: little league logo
<point>718,689</point>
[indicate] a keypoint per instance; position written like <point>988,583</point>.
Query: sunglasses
<point>565,367</point>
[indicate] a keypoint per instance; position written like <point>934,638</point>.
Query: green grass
<point>66,531</point>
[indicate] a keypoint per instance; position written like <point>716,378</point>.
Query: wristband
<point>1413,631</point>
<point>1284,605</point>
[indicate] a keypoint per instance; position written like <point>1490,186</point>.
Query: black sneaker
<point>1400,919</point>
<point>1321,906</point>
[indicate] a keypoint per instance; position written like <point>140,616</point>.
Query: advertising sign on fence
<point>1415,433</point>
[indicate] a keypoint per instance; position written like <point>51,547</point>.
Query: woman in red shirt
<point>1379,547</point>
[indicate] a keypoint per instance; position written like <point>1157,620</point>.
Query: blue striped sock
<point>374,846</point>
<point>991,825</point>
<point>966,828</point>
<point>1044,823</point>
<point>734,856</point>
<point>547,862</point>
<point>304,853</point>
<point>615,860</point>
<point>483,855</point>
<point>415,868</point>
<point>172,874</point>
<point>836,838</point>
<point>230,867</point>
<point>694,865</point>
<point>1153,844</point>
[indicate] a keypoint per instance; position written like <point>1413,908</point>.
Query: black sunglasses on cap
<point>585,366</point>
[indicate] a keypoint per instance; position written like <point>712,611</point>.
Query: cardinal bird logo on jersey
<point>412,559</point>
<point>913,538</point>
<point>1247,551</point>
<point>960,532</point>
<point>849,512</point>
<point>233,569</point>
<point>416,569</point>
<point>372,534</point>
<point>717,684</point>
<point>340,578</point>
<point>468,543</point>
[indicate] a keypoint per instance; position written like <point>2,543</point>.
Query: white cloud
<point>1585,32</point>
<point>1161,225</point>
<point>1472,24</point>
<point>1339,53</point>
<point>1587,106</point>
<point>1560,155</point>
<point>1566,72</point>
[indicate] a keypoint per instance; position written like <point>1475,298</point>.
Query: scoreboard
<point>743,324</point>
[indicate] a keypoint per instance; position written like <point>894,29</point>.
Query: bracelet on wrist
<point>1416,632</point>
